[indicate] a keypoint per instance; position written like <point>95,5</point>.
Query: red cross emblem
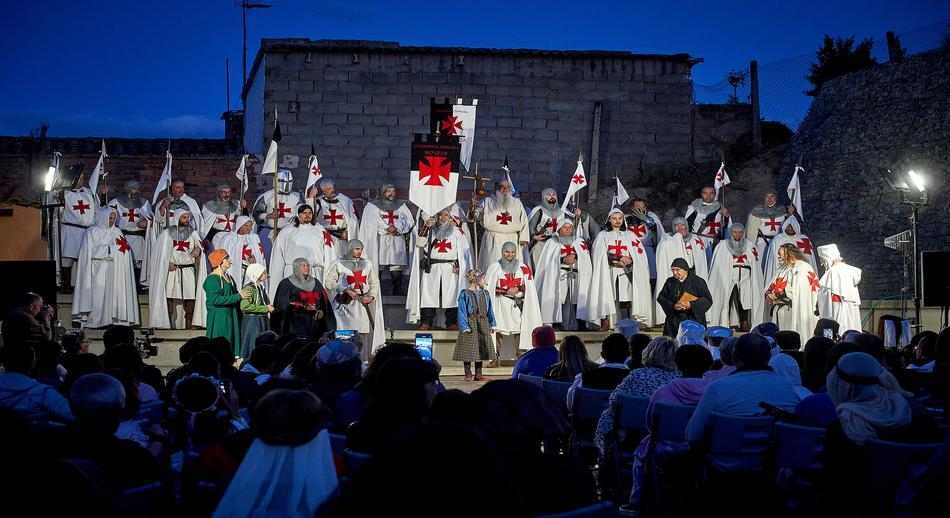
<point>805,244</point>
<point>578,179</point>
<point>713,227</point>
<point>444,245</point>
<point>228,221</point>
<point>281,210</point>
<point>552,224</point>
<point>433,169</point>
<point>509,281</point>
<point>122,244</point>
<point>617,248</point>
<point>584,246</point>
<point>246,253</point>
<point>773,224</point>
<point>81,207</point>
<point>327,238</point>
<point>836,298</point>
<point>778,286</point>
<point>701,243</point>
<point>504,218</point>
<point>813,281</point>
<point>181,246</point>
<point>332,216</point>
<point>389,216</point>
<point>308,297</point>
<point>740,259</point>
<point>315,170</point>
<point>526,270</point>
<point>755,252</point>
<point>131,215</point>
<point>357,280</point>
<point>689,246</point>
<point>568,250</point>
<point>636,244</point>
<point>451,125</point>
<point>638,230</point>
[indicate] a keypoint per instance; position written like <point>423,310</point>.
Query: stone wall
<point>717,127</point>
<point>359,104</point>
<point>894,116</point>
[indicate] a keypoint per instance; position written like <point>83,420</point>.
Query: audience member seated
<point>769,329</point>
<point>28,322</point>
<point>608,374</point>
<point>254,373</point>
<point>37,403</point>
<point>790,342</point>
<point>288,470</point>
<point>338,370</point>
<point>117,335</point>
<point>740,393</point>
<point>691,332</point>
<point>659,368</point>
<point>786,366</point>
<point>79,366</point>
<point>692,361</point>
<point>573,360</point>
<point>126,358</point>
<point>542,355</point>
<point>49,364</point>
<point>186,352</point>
<point>815,362</point>
<point>714,337</point>
<point>638,343</point>
<point>351,405</point>
<point>397,403</point>
<point>925,352</point>
<point>726,364</point>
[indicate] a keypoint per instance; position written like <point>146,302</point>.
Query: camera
<point>143,343</point>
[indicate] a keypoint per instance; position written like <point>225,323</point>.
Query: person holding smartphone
<point>476,321</point>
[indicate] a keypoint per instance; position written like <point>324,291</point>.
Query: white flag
<point>722,179</point>
<point>165,180</point>
<point>241,174</point>
<point>622,195</point>
<point>462,123</point>
<point>99,172</point>
<point>270,160</point>
<point>314,174</point>
<point>795,193</point>
<point>578,181</point>
<point>433,185</point>
<point>507,169</point>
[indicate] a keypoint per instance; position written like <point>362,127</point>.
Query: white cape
<point>720,287</point>
<point>801,285</point>
<point>602,285</point>
<point>842,280</point>
<point>158,316</point>
<point>156,224</point>
<point>521,322</point>
<point>371,230</point>
<point>234,244</point>
<point>413,296</point>
<point>549,286</point>
<point>311,242</point>
<point>105,292</point>
<point>335,283</point>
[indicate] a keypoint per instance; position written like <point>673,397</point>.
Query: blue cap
<point>718,332</point>
<point>337,351</point>
<point>766,329</point>
<point>691,333</point>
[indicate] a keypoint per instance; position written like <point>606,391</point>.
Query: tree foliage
<point>837,57</point>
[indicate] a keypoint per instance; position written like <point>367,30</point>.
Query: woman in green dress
<point>223,301</point>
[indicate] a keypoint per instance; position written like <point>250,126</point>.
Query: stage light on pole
<point>917,180</point>
<point>50,180</point>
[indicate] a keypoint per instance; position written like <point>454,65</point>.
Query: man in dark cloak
<point>303,306</point>
<point>677,307</point>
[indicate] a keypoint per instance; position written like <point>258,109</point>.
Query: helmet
<point>285,181</point>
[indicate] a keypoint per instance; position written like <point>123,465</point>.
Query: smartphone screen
<point>424,345</point>
<point>344,334</point>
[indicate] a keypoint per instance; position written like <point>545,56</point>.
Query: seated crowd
<point>283,432</point>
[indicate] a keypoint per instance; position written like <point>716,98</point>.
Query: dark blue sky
<point>148,68</point>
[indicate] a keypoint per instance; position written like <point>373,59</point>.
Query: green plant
<point>837,57</point>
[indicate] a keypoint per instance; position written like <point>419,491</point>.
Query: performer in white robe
<point>544,222</point>
<point>105,278</point>
<point>791,233</point>
<point>269,216</point>
<point>336,213</point>
<point>77,215</point>
<point>385,231</point>
<point>794,293</point>
<point>708,219</point>
<point>648,228</point>
<point>680,244</point>
<point>564,275</point>
<point>354,292</point>
<point>243,242</point>
<point>735,283</point>
<point>515,301</point>
<point>764,223</point>
<point>503,219</point>
<point>440,253</point>
<point>133,212</point>
<point>838,297</point>
<point>220,215</point>
<point>177,200</point>
<point>176,298</point>
<point>620,258</point>
<point>305,239</point>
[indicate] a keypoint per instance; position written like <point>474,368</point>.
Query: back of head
<point>815,362</point>
<point>660,353</point>
<point>205,364</point>
<point>389,352</point>
<point>638,343</point>
<point>766,329</point>
<point>125,358</point>
<point>223,352</point>
<point>727,349</point>
<point>288,417</point>
<point>27,299</point>
<point>614,348</point>
<point>516,415</point>
<point>573,355</point>
<point>115,336</point>
<point>752,352</point>
<point>926,346</point>
<point>266,338</point>
<point>97,401</point>
<point>192,347</point>
<point>402,386</point>
<point>627,327</point>
<point>691,333</point>
<point>263,357</point>
<point>871,344</point>
<point>693,360</point>
<point>789,340</point>
<point>543,336</point>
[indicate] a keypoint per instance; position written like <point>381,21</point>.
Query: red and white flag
<point>794,191</point>
<point>722,179</point>
<point>456,120</point>
<point>99,172</point>
<point>578,181</point>
<point>433,175</point>
<point>164,181</point>
<point>241,174</point>
<point>314,175</point>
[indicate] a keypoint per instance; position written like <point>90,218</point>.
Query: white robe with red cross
<point>246,246</point>
<point>838,297</point>
<point>354,315</point>
<point>731,269</point>
<point>78,214</point>
<point>500,225</point>
<point>800,284</point>
<point>555,284</point>
<point>338,217</point>
<point>105,291</point>
<point>771,261</point>
<point>509,319</point>
<point>379,245</point>
<point>633,287</point>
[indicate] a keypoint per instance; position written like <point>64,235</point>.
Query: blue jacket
<point>536,361</point>
<point>467,304</point>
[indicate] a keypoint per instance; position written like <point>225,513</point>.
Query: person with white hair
<point>387,223</point>
<point>736,282</point>
<point>765,222</point>
<point>681,244</point>
<point>353,285</point>
<point>271,218</point>
<point>334,210</point>
<point>514,300</point>
<point>503,220</point>
<point>544,221</point>
<point>106,292</point>
<point>255,309</point>
<point>242,242</point>
<point>221,213</point>
<point>838,297</point>
<point>178,270</point>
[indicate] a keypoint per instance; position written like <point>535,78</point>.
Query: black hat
<point>680,263</point>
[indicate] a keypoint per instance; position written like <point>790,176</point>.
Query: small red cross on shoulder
<point>227,221</point>
<point>636,244</point>
<point>701,243</point>
<point>181,246</point>
<point>584,246</point>
<point>638,230</point>
<point>805,245</point>
<point>813,281</point>
<point>526,271</point>
<point>444,245</point>
<point>327,238</point>
<point>504,218</point>
<point>81,207</point>
<point>122,244</point>
<point>357,280</point>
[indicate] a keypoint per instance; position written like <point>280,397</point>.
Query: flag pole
<point>475,222</point>
<point>168,188</point>
<point>276,199</point>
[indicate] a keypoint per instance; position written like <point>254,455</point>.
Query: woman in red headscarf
<point>223,301</point>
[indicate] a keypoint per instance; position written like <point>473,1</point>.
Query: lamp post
<point>245,5</point>
<point>919,182</point>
